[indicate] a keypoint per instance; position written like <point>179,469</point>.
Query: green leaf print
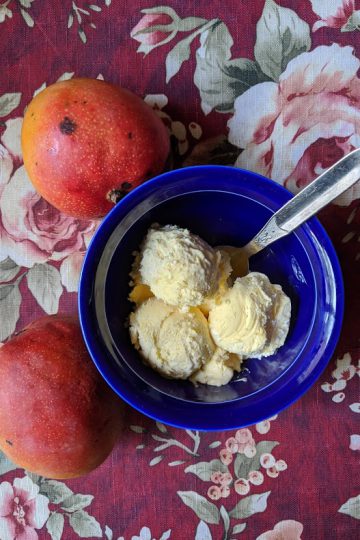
<point>204,469</point>
<point>219,79</point>
<point>8,270</point>
<point>250,505</point>
<point>181,52</point>
<point>9,102</point>
<point>156,460</point>
<point>189,23</point>
<point>351,507</point>
<point>27,18</point>
<point>226,519</point>
<point>10,300</point>
<point>177,56</point>
<point>161,9</point>
<point>239,528</point>
<point>203,532</point>
<point>66,76</point>
<point>353,22</point>
<point>56,491</point>
<point>85,525</point>
<point>204,509</point>
<point>280,36</point>
<point>161,427</point>
<point>5,464</point>
<point>55,526</point>
<point>76,502</point>
<point>137,429</point>
<point>44,282</point>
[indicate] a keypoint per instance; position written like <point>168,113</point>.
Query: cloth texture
<point>269,86</point>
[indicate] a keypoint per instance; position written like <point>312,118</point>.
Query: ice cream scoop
<point>252,318</point>
<point>329,185</point>
<point>219,370</point>
<point>179,267</point>
<point>173,342</point>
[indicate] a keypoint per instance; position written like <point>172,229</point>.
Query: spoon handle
<point>309,201</point>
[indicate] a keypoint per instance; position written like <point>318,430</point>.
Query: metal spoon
<point>329,185</point>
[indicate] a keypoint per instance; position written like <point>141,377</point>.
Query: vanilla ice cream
<point>195,316</point>
<point>278,316</point>
<point>179,267</point>
<point>219,370</point>
<point>252,318</point>
<point>174,343</point>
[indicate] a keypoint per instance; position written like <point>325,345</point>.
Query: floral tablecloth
<point>270,86</point>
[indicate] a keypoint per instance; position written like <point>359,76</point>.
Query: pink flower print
<point>281,465</point>
<point>195,130</point>
<point>256,478</point>
<point>214,493</point>
<point>225,479</point>
<point>242,486</point>
<point>216,477</point>
<point>344,370</point>
<point>284,530</point>
<point>245,441</point>
<point>334,14</point>
<point>22,510</point>
<point>152,37</point>
<point>232,445</point>
<point>327,387</point>
<point>267,460</point>
<point>156,101</point>
<point>225,456</point>
<point>272,472</point>
<point>263,427</point>
<point>250,450</point>
<point>339,397</point>
<point>244,436</point>
<point>313,112</point>
<point>355,407</point>
<point>31,230</point>
<point>225,491</point>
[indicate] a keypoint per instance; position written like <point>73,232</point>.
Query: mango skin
<point>86,143</point>
<point>58,417</point>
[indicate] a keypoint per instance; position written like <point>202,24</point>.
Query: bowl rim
<point>135,197</point>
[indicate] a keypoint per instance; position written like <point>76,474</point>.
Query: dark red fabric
<point>318,495</point>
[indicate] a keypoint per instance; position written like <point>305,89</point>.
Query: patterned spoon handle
<point>329,185</point>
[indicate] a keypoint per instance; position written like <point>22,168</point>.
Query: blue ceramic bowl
<point>223,205</point>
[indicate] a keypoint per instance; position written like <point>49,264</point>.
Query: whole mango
<point>86,143</point>
<point>58,417</point>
